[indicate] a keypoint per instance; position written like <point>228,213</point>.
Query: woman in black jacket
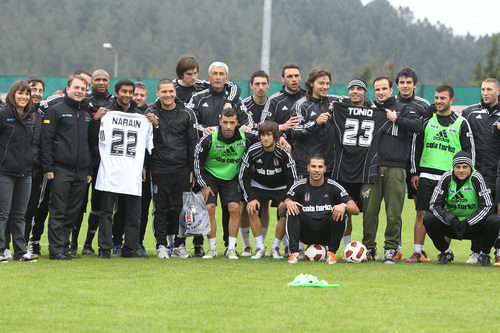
<point>16,163</point>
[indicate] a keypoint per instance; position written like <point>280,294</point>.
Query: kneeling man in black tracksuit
<point>462,207</point>
<point>317,209</point>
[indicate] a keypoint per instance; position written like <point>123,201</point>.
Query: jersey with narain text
<point>123,140</point>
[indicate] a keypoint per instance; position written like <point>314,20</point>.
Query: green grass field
<point>181,295</point>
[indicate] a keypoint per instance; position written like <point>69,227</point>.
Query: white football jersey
<point>123,140</point>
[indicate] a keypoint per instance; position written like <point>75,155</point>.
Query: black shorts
<point>424,193</point>
<point>354,190</point>
<point>412,193</point>
<point>276,196</point>
<point>228,190</point>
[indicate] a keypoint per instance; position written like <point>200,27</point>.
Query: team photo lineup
<point>200,148</point>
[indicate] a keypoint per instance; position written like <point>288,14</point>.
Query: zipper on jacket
<point>8,142</point>
<point>77,137</point>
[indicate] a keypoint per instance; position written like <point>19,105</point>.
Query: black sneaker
<point>88,250</point>
<point>104,254</point>
<point>444,258</point>
<point>128,253</point>
<point>72,255</point>
<point>35,248</point>
<point>199,251</point>
<point>372,255</point>
<point>60,256</point>
<point>73,249</point>
<point>389,257</point>
<point>484,259</point>
<point>141,251</point>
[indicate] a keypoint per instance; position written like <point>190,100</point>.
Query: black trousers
<point>167,202</point>
<point>93,218</point>
<point>41,212</point>
<point>36,187</point>
<point>131,205</point>
<point>76,228</point>
<point>67,191</point>
<point>483,233</point>
<point>118,217</point>
<point>325,232</point>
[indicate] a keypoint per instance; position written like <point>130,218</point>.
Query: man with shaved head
<point>484,119</point>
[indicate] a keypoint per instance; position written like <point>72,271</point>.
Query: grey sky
<point>477,17</point>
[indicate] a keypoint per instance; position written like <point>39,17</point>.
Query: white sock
<point>232,243</point>
<point>418,248</point>
<point>285,242</point>
<point>212,243</point>
<point>347,239</point>
<point>264,234</point>
<point>276,243</point>
<point>245,237</point>
<point>498,252</point>
<point>170,239</point>
<point>301,246</point>
<point>400,249</point>
<point>259,242</point>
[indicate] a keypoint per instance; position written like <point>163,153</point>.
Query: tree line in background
<point>52,38</point>
<point>491,65</point>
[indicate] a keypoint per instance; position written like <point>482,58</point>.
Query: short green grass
<point>176,295</point>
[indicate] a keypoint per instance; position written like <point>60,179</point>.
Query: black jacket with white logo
<point>16,139</point>
<point>232,91</point>
<point>483,120</point>
<point>65,137</point>
<point>279,107</point>
<point>174,139</point>
<point>207,105</point>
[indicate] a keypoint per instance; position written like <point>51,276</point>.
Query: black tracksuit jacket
<point>483,120</point>
<point>16,139</point>
<point>395,145</point>
<point>207,105</point>
<point>174,139</point>
<point>65,137</point>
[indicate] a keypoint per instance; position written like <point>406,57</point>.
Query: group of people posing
<point>318,158</point>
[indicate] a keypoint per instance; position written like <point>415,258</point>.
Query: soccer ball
<point>355,252</point>
<point>315,252</point>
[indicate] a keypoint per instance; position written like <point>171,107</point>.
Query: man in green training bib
<point>445,134</point>
<point>462,207</point>
<point>217,160</point>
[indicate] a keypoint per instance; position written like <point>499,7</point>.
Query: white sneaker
<point>163,252</point>
<point>210,254</point>
<point>33,255</point>
<point>473,258</point>
<point>231,254</point>
<point>301,255</point>
<point>3,260</point>
<point>27,257</point>
<point>180,252</point>
<point>7,255</point>
<point>276,253</point>
<point>259,254</point>
<point>247,252</point>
